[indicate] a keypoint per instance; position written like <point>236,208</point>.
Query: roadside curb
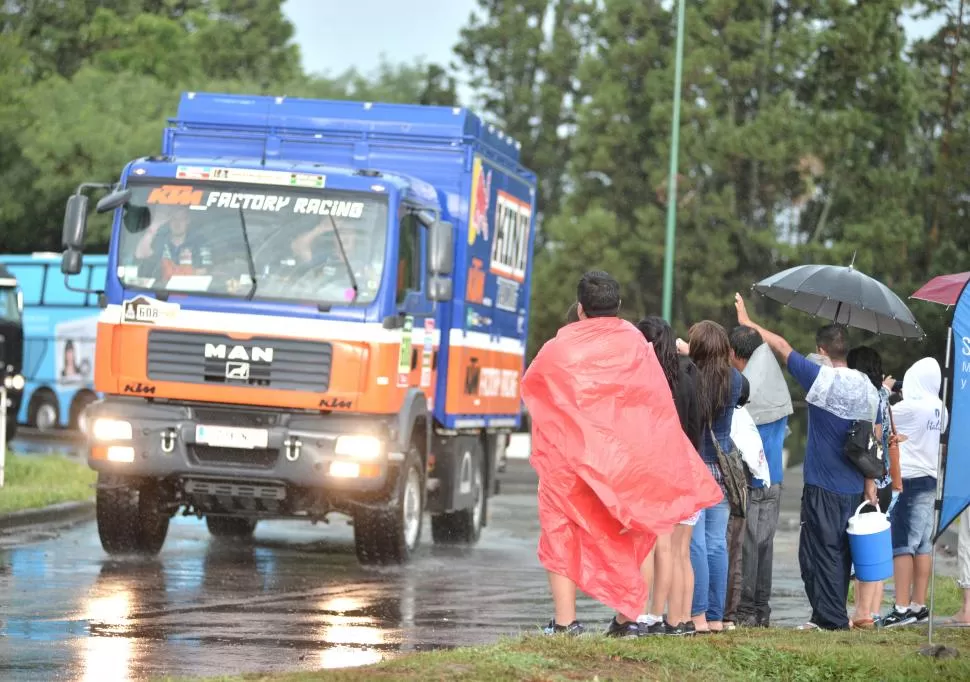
<point>63,514</point>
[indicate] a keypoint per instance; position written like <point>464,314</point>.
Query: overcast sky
<point>335,35</point>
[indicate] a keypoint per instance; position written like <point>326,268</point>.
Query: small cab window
<point>409,257</point>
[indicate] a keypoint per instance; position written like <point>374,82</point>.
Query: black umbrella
<point>843,295</point>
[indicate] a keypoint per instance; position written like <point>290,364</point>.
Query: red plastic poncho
<point>611,457</point>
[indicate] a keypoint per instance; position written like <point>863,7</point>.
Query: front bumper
<point>299,448</point>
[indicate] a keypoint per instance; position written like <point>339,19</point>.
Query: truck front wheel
<point>390,536</point>
<point>130,516</point>
<point>463,526</point>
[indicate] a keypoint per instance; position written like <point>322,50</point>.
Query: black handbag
<point>863,450</point>
<point>735,477</point>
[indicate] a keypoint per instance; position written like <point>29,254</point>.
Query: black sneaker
<point>648,630</point>
<point>674,630</point>
<point>922,616</point>
<point>574,629</point>
<point>623,630</point>
<point>689,628</point>
<point>898,619</point>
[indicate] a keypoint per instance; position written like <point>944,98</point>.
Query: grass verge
<point>742,655</point>
<point>38,481</point>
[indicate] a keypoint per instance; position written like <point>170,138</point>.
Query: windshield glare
<point>190,238</point>
<point>9,311</point>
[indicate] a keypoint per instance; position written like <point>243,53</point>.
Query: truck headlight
<point>15,382</point>
<point>359,447</point>
<point>111,429</point>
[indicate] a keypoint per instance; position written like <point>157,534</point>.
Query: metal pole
<point>940,459</point>
<point>3,431</point>
<point>668,291</point>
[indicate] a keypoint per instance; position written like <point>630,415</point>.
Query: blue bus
<point>60,327</point>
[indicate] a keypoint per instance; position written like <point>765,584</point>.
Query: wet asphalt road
<point>294,599</point>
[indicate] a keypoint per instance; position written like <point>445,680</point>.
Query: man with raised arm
<point>836,396</point>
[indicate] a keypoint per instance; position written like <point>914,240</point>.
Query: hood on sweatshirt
<point>923,380</point>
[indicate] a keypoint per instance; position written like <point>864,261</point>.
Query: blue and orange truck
<point>310,307</point>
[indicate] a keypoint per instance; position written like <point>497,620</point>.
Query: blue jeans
<point>709,559</point>
<point>912,519</point>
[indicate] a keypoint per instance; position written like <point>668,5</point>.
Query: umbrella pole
<point>939,484</point>
<point>838,311</point>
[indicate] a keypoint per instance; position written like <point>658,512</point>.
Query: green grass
<point>760,655</point>
<point>38,481</point>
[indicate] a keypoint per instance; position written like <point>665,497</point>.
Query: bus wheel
<point>44,413</point>
<point>79,419</point>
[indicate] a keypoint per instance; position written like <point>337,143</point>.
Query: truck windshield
<point>9,311</point>
<point>191,237</point>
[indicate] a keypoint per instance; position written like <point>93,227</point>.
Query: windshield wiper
<point>249,255</point>
<point>343,255</point>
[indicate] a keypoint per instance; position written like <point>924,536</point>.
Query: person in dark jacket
<point>673,577</point>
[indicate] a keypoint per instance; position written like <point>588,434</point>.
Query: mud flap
<point>455,459</point>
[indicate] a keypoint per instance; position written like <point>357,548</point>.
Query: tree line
<point>811,131</point>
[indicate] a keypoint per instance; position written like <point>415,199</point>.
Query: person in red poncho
<point>615,468</point>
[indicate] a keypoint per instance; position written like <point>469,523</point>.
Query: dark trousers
<point>823,554</point>
<point>764,506</point>
<point>735,543</point>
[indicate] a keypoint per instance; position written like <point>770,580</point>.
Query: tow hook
<point>168,441</point>
<point>292,446</point>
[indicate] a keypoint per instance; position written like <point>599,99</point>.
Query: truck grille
<point>234,458</point>
<point>285,364</point>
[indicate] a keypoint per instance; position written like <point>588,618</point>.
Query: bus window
<point>30,277</point>
<point>58,294</point>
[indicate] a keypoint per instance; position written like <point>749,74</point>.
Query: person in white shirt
<point>920,419</point>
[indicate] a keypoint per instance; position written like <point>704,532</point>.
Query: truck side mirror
<point>441,249</point>
<point>440,288</point>
<point>75,222</point>
<point>114,200</point>
<point>71,262</point>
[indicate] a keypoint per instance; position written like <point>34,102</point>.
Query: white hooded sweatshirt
<point>920,416</point>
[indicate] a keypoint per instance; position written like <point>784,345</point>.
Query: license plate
<point>230,437</point>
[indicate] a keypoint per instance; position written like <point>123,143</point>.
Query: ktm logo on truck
<point>175,195</point>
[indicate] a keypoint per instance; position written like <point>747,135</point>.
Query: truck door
<point>416,355</point>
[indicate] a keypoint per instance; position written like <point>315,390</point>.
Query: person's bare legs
<point>903,579</point>
<point>875,603</point>
<point>921,579</point>
<point>682,579</point>
<point>864,592</point>
<point>647,573</point>
<point>663,573</point>
<point>563,598</point>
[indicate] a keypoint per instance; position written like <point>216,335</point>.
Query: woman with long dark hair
<point>669,563</point>
<point>719,389</point>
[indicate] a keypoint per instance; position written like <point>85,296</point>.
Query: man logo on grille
<point>237,371</point>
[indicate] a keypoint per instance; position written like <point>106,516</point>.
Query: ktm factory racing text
<point>310,307</point>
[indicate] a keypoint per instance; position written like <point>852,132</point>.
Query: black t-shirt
<point>685,398</point>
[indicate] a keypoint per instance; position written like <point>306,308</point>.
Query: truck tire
<point>391,536</point>
<point>11,429</point>
<point>130,518</point>
<point>463,526</point>
<point>230,526</point>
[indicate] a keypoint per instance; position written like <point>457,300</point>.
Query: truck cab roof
<point>411,188</point>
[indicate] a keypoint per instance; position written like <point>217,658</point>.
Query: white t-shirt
<point>921,417</point>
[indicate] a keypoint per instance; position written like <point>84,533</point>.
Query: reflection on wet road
<point>293,599</point>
